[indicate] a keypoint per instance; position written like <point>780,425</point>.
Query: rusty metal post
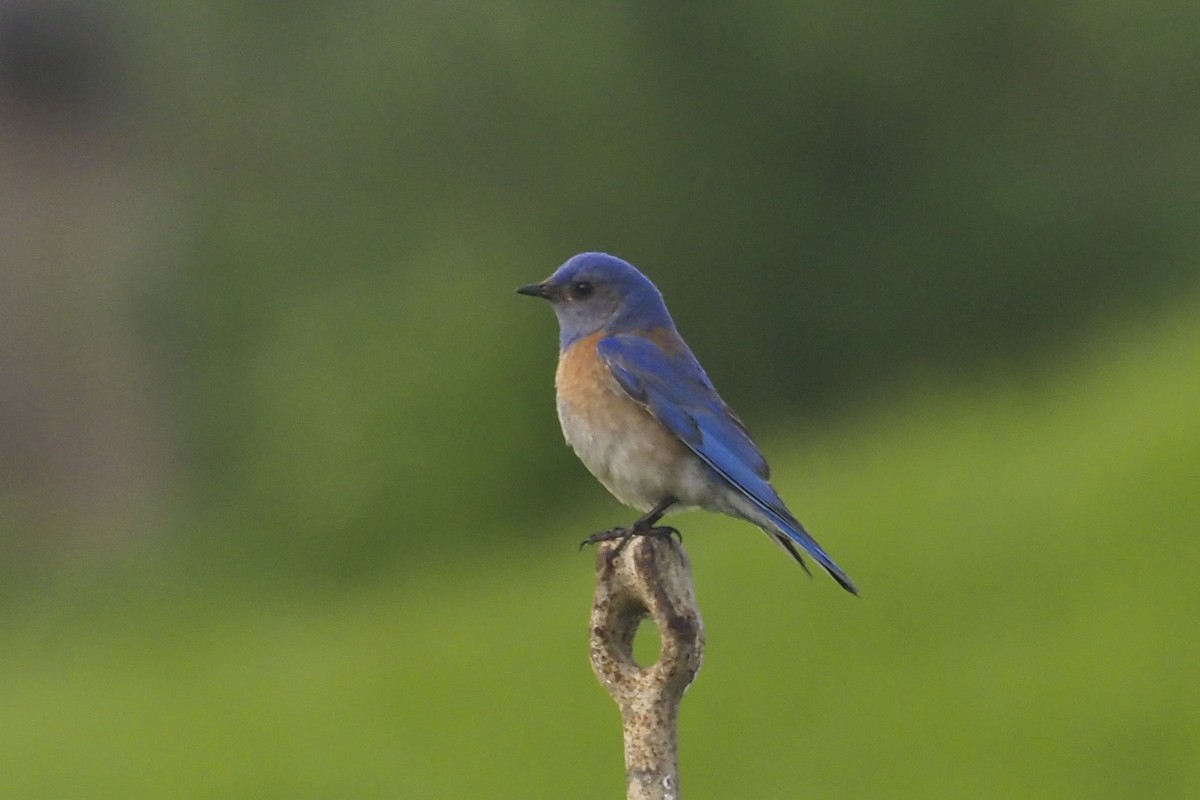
<point>649,577</point>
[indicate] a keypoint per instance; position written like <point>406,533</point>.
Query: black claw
<point>667,531</point>
<point>606,536</point>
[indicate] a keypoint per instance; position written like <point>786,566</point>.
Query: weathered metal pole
<point>650,576</point>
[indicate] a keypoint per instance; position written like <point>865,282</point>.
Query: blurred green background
<point>284,509</point>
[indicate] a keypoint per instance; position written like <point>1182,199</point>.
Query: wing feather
<point>659,372</point>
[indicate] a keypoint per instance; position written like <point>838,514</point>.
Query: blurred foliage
<point>1025,550</point>
<point>832,198</point>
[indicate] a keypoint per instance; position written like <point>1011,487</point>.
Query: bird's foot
<point>623,535</point>
<point>664,532</point>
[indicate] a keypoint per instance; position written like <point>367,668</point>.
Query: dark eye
<point>582,290</point>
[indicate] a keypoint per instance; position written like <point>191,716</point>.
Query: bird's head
<point>594,292</point>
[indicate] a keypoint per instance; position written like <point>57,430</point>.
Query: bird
<point>642,415</point>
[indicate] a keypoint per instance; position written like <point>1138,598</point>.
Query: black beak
<point>536,290</point>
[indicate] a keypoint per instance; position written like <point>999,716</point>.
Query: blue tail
<point>790,530</point>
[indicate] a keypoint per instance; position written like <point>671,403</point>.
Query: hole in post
<point>647,643</point>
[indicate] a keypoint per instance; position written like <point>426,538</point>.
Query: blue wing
<point>672,386</point>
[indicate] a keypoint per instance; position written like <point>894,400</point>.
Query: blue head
<point>597,292</point>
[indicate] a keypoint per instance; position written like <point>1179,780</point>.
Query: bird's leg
<point>645,524</point>
<point>642,526</point>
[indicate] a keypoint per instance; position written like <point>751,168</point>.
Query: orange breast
<point>619,441</point>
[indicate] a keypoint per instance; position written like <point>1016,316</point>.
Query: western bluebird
<point>638,410</point>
